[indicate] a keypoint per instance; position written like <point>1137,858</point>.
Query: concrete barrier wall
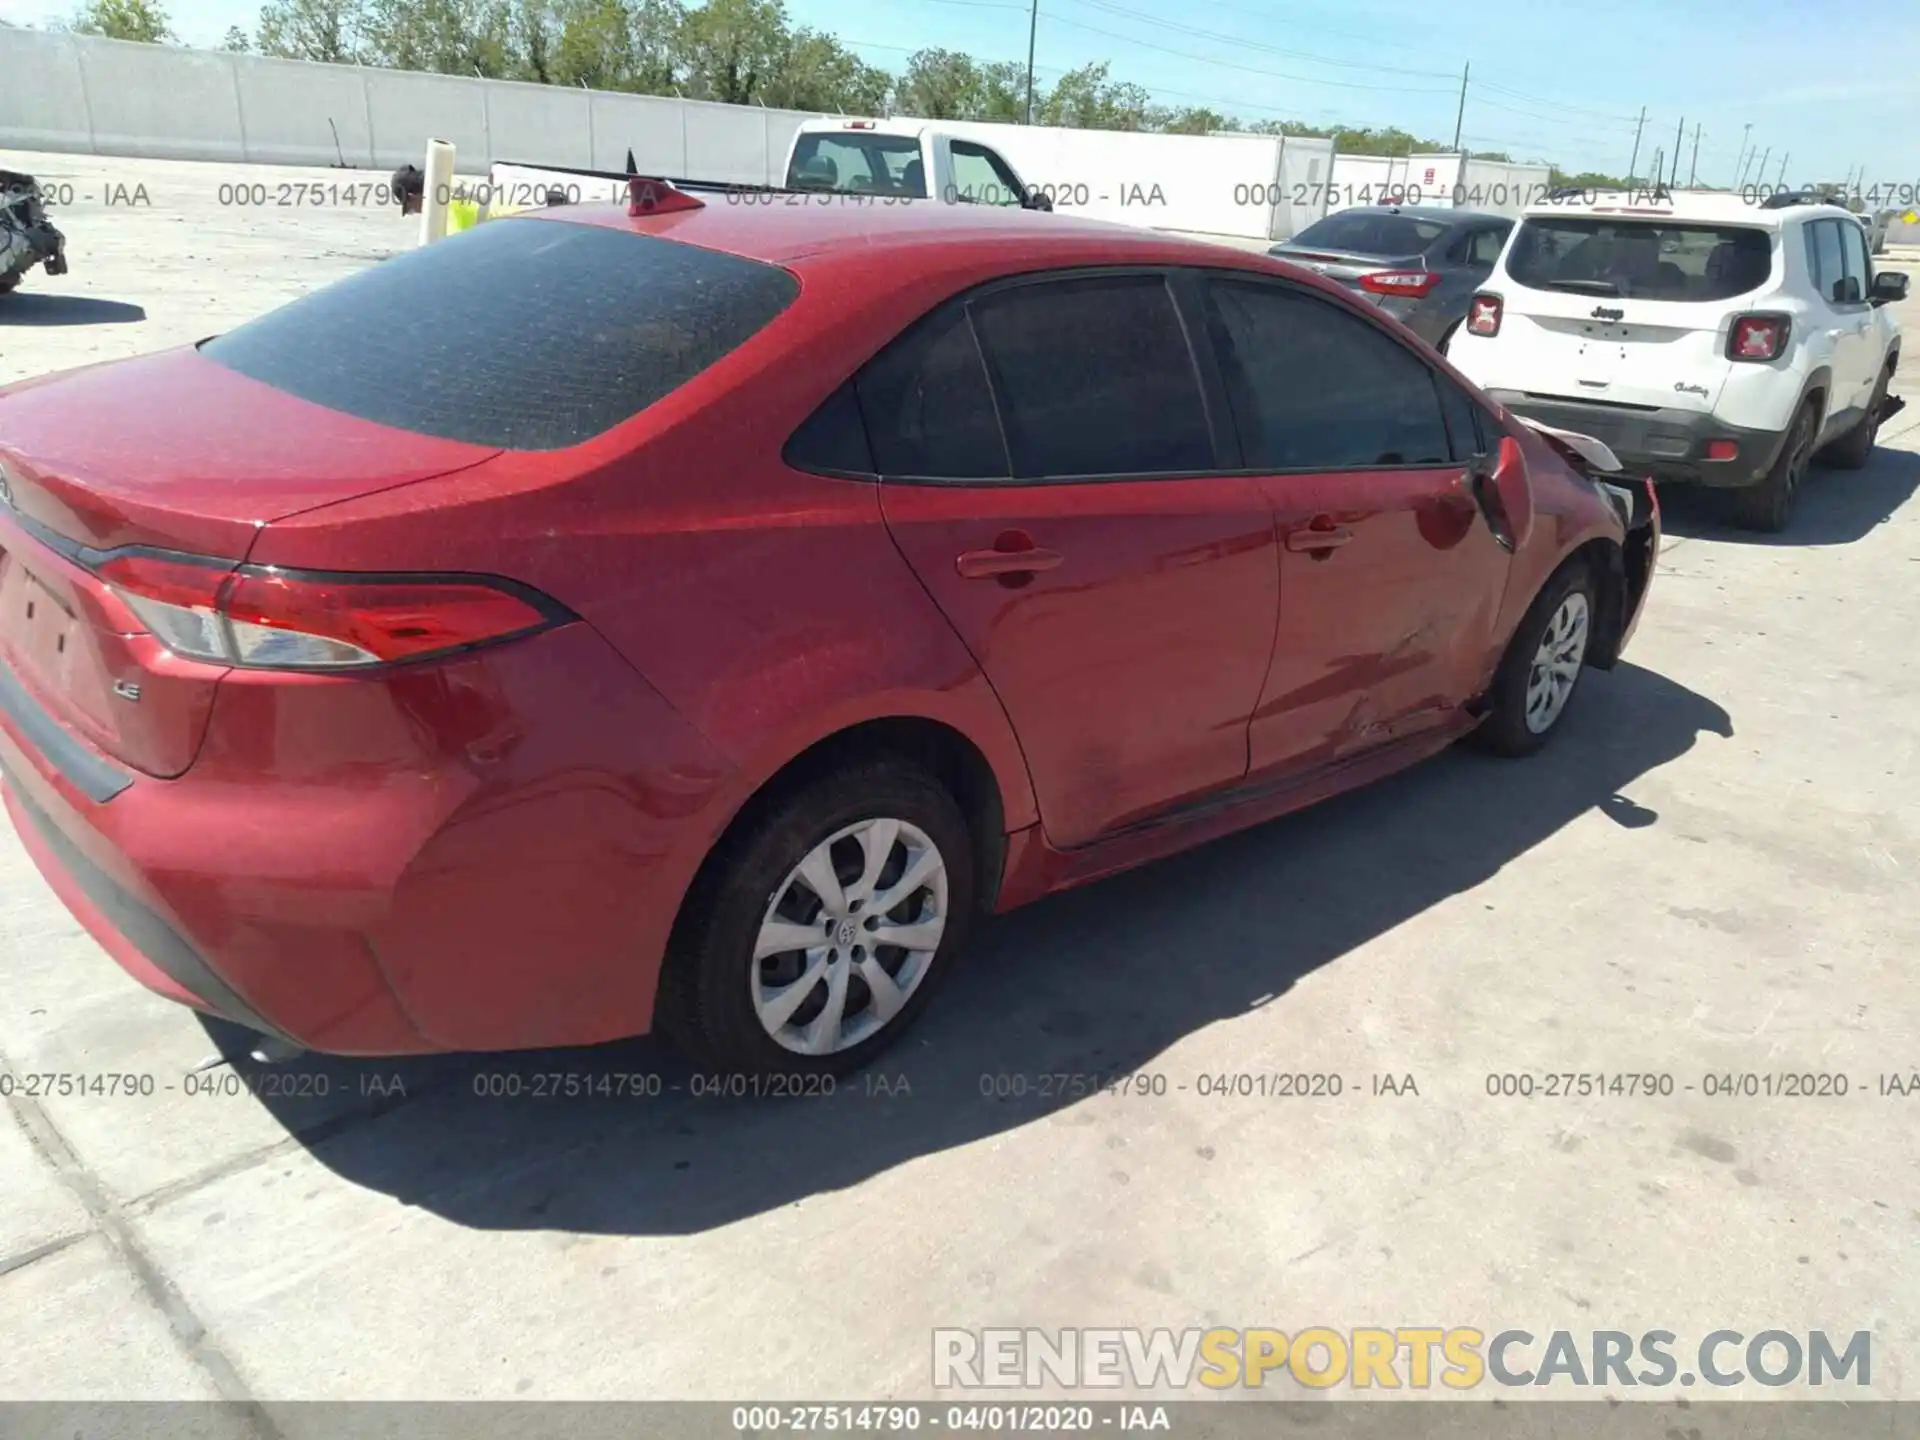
<point>408,109</point>
<point>43,94</point>
<point>548,123</point>
<point>84,94</point>
<point>280,101</point>
<point>162,103</point>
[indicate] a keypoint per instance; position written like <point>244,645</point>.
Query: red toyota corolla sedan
<point>695,618</point>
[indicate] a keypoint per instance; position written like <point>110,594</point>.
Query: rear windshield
<point>523,333</point>
<point>1369,234</point>
<point>1641,259</point>
<point>859,163</point>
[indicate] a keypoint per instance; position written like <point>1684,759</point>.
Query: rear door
<point>1623,310</point>
<point>1049,465</point>
<point>1391,583</point>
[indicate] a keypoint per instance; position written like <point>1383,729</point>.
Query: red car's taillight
<point>1411,283</point>
<point>1758,337</point>
<point>1483,315</point>
<point>264,618</point>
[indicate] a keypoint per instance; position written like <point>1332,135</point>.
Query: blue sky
<point>1827,86</point>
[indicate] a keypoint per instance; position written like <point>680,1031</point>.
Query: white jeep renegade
<point>1706,338</point>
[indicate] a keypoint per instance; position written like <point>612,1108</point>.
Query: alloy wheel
<point>1557,662</point>
<point>849,936</point>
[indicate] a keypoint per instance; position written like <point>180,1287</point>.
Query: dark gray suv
<point>1421,265</point>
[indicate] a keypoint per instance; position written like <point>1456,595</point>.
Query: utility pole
<point>1760,174</point>
<point>1679,138</point>
<point>1636,146</point>
<point>1460,115</point>
<point>1783,172</point>
<point>1033,33</point>
<point>1658,157</point>
<point>1693,166</point>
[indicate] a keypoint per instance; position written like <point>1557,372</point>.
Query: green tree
<point>324,30</point>
<point>817,72</point>
<point>124,20</point>
<point>236,41</point>
<point>1085,99</point>
<point>616,45</point>
<point>1195,120</point>
<point>732,49</point>
<point>451,37</point>
<point>939,85</point>
<point>1003,92</point>
<point>535,34</point>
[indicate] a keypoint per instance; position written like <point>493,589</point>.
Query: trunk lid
<point>177,451</point>
<point>1345,266</point>
<point>169,451</point>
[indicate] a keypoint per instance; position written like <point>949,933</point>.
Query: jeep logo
<point>1600,312</point>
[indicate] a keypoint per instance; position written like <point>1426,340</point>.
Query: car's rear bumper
<point>484,855</point>
<point>1667,445</point>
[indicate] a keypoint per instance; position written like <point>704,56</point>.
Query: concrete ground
<point>1711,873</point>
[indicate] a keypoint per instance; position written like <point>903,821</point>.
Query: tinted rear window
<point>1646,260</point>
<point>527,334</point>
<point>1368,234</point>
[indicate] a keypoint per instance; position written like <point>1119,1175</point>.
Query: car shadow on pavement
<point>1099,981</point>
<point>1836,507</point>
<point>31,308</point>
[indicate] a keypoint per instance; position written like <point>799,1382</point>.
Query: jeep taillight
<point>265,618</point>
<point>1483,315</point>
<point>1758,337</point>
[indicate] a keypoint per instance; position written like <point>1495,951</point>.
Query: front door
<point>1391,583</point>
<point>1045,451</point>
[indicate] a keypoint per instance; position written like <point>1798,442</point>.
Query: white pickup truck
<point>886,159</point>
<point>908,159</point>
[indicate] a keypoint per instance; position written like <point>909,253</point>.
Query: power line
<point>1244,43</point>
<point>1249,69</point>
<point>1551,104</point>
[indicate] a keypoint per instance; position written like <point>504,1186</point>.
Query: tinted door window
<point>1095,377</point>
<point>928,408</point>
<point>981,177</point>
<point>1316,389</point>
<point>1467,428</point>
<point>1853,244</point>
<point>1825,258</point>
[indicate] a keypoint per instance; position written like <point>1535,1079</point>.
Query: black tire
<point>1768,506</point>
<point>706,1000</point>
<point>1855,448</point>
<point>8,282</point>
<point>1505,730</point>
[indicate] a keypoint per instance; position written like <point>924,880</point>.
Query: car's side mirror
<point>1037,200</point>
<point>1889,287</point>
<point>1506,496</point>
